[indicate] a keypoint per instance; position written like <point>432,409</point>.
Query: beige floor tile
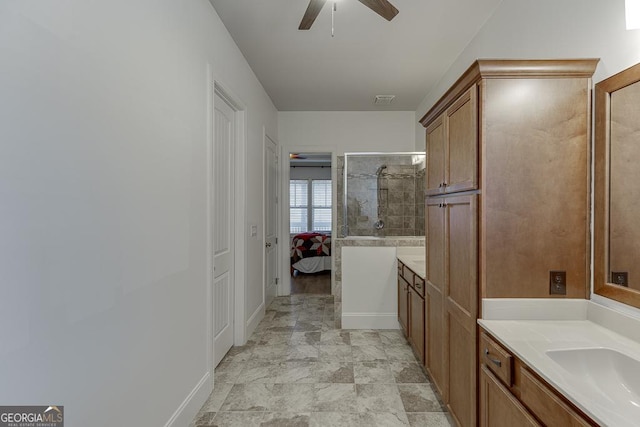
<point>298,370</point>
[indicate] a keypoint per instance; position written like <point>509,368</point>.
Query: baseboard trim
<point>255,318</point>
<point>370,321</point>
<point>189,408</point>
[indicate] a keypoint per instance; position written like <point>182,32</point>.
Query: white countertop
<point>413,257</point>
<point>532,331</point>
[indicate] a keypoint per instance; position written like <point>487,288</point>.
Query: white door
<point>270,220</point>
<point>223,226</point>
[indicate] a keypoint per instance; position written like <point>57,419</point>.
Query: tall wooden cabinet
<point>507,188</point>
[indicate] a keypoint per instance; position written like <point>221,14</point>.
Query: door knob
<point>268,244</point>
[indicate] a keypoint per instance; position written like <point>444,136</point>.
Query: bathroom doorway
<point>311,206</point>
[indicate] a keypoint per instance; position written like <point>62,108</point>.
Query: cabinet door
<point>434,295</point>
<point>461,306</point>
<point>549,408</point>
<point>498,407</point>
<point>403,306</point>
<point>535,208</point>
<point>435,150</point>
<point>416,330</point>
<point>461,125</point>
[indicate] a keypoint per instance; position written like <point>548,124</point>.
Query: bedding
<point>311,252</point>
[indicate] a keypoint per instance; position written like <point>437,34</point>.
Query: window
<point>298,205</point>
<point>321,205</point>
<point>309,205</point>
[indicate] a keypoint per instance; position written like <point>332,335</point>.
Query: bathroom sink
<point>615,375</point>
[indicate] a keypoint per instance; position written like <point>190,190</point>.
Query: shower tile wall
<point>400,194</point>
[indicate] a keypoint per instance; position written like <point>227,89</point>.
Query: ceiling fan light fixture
<point>383,99</point>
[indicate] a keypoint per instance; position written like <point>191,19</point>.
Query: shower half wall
<point>387,188</point>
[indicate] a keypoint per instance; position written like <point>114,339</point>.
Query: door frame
<point>239,325</point>
<point>284,286</point>
<point>265,136</point>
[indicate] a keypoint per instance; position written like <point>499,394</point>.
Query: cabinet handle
<point>491,359</point>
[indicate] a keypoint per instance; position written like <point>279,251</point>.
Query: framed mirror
<point>617,187</point>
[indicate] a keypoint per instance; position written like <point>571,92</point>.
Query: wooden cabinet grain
<point>403,303</point>
<point>411,309</point>
<point>523,400</point>
<point>498,407</point>
<point>435,296</point>
<point>452,302</point>
<point>416,313</point>
<point>452,142</point>
<point>514,136</point>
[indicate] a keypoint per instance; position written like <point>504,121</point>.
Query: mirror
<point>617,187</point>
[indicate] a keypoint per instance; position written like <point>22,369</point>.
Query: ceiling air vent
<point>384,99</point>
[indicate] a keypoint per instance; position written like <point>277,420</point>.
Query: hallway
<point>297,370</point>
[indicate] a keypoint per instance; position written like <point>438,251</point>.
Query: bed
<point>311,252</point>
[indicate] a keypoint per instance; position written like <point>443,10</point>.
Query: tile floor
<point>297,370</point>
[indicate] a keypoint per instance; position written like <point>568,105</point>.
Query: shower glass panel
<point>382,194</point>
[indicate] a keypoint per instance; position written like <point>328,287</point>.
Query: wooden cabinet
<point>403,301</point>
<point>411,308</point>
<point>452,302</point>
<point>461,302</point>
<point>452,142</point>
<point>498,407</point>
<point>507,187</point>
<point>416,313</point>
<point>434,299</point>
<point>523,399</point>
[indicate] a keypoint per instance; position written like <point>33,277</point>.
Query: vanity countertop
<point>530,332</point>
<point>413,257</point>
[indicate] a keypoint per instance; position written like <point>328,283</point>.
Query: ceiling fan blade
<point>381,7</point>
<point>314,8</point>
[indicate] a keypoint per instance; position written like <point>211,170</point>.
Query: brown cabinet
<point>522,400</point>
<point>452,142</point>
<point>416,313</point>
<point>514,136</point>
<point>434,300</point>
<point>411,308</point>
<point>403,301</point>
<point>498,407</point>
<point>452,302</point>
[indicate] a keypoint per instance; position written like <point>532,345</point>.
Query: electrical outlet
<point>557,283</point>
<point>620,278</point>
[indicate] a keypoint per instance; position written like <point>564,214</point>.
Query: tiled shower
<point>384,194</point>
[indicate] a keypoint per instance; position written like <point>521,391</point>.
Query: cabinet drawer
<point>543,402</point>
<point>498,360</point>
<point>418,284</point>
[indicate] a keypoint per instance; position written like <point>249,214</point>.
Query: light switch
<point>254,231</point>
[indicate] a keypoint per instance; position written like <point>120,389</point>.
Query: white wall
<point>547,29</point>
<point>103,202</point>
<point>348,131</point>
<point>369,288</point>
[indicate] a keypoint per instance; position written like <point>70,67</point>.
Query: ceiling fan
<point>381,7</point>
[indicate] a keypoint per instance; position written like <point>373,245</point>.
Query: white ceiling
<point>311,71</point>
